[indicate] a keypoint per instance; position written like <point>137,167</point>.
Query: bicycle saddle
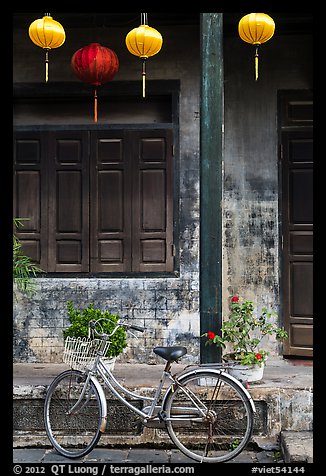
<point>170,353</point>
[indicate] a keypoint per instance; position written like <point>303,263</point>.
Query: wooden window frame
<point>49,212</point>
<point>74,91</point>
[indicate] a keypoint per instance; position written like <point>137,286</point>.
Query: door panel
<point>30,184</point>
<point>153,201</point>
<point>297,252</point>
<point>300,200</point>
<point>68,211</point>
<point>110,202</point>
<point>302,285</point>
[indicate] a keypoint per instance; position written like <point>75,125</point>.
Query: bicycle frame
<point>118,390</point>
<point>199,407</point>
<point>154,412</point>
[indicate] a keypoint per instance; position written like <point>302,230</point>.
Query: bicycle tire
<point>75,435</point>
<point>226,426</point>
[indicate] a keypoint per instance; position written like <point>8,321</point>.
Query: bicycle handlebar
<point>137,328</point>
<point>120,323</point>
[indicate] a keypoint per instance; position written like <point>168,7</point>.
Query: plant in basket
<point>106,322</point>
<point>244,331</point>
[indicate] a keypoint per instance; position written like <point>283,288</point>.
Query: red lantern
<point>95,64</point>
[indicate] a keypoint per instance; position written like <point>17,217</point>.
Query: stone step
<point>283,400</point>
<point>297,446</point>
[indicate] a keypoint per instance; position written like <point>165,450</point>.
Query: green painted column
<point>211,153</point>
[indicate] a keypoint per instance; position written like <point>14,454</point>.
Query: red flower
<point>235,299</point>
<point>258,356</point>
<point>210,335</point>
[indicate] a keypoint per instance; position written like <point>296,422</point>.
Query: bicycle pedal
<point>154,423</point>
<point>136,423</point>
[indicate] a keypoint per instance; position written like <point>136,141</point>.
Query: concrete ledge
<point>297,446</point>
<point>284,401</point>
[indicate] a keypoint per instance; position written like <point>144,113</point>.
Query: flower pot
<point>244,373</point>
<point>247,373</point>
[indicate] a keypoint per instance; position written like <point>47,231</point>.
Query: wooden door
<point>297,235</point>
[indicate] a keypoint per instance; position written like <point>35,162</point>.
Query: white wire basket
<point>80,352</point>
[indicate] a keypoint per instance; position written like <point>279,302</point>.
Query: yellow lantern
<point>256,28</point>
<point>48,34</point>
<point>144,42</point>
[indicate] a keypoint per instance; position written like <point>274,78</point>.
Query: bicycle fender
<point>219,372</point>
<point>99,388</point>
<point>242,387</point>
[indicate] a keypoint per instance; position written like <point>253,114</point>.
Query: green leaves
<point>245,331</point>
<point>216,340</point>
<point>106,322</point>
<point>24,270</point>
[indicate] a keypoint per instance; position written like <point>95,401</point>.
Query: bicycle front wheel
<point>208,416</point>
<point>73,429</point>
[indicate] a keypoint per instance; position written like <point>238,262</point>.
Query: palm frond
<point>24,269</point>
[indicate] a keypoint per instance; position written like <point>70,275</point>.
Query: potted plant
<point>106,322</point>
<point>242,335</point>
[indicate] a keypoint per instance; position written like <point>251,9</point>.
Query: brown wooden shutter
<point>68,211</point>
<point>30,194</point>
<point>99,201</point>
<point>131,201</point>
<point>110,202</point>
<point>152,217</point>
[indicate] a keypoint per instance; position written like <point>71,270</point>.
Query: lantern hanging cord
<point>95,105</point>
<point>143,72</point>
<point>256,63</point>
<point>46,64</point>
<point>143,19</point>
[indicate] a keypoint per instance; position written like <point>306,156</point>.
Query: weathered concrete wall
<point>251,269</point>
<point>169,307</point>
<point>251,219</point>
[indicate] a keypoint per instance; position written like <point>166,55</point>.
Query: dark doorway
<point>296,159</point>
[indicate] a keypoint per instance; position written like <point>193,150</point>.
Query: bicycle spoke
<point>221,431</point>
<point>72,418</point>
<point>208,415</point>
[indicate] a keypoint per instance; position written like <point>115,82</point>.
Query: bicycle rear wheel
<point>208,416</point>
<point>73,434</point>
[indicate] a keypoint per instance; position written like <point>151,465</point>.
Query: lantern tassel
<point>46,65</point>
<point>95,105</point>
<point>143,72</point>
<point>256,64</point>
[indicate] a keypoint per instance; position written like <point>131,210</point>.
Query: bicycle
<point>208,414</point>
